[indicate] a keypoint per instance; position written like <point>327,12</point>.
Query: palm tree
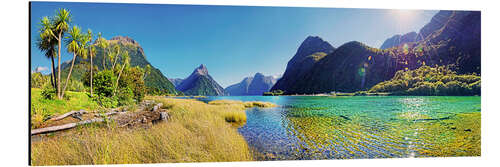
<point>103,44</point>
<point>92,52</point>
<point>86,43</point>
<point>61,24</point>
<point>126,61</point>
<point>46,43</point>
<point>116,53</point>
<point>75,44</point>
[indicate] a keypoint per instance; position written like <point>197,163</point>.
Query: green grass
<point>41,108</point>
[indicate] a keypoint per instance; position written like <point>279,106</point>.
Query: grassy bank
<point>195,132</point>
<point>41,108</point>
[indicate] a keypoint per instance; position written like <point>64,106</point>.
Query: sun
<point>403,16</point>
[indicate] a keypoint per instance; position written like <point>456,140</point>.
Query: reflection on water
<point>362,127</point>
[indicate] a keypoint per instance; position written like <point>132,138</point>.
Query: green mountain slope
<point>154,81</point>
<point>354,66</point>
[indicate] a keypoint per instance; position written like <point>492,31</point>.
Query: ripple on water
<point>361,127</point>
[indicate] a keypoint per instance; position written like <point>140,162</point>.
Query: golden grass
<point>248,104</point>
<point>195,132</point>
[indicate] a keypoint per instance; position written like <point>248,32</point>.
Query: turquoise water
<point>307,127</point>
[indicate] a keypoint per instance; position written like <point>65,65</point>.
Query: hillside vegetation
<point>430,81</point>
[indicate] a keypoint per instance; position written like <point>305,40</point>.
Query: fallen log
<point>108,113</point>
<point>63,127</point>
<point>123,119</point>
<point>71,113</point>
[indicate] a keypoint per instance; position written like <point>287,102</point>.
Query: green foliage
<point>429,81</point>
<point>132,78</point>
<point>74,85</point>
<point>106,102</point>
<point>125,96</point>
<point>103,83</point>
<point>38,80</point>
<point>48,92</point>
<point>274,93</point>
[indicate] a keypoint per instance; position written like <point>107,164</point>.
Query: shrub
<point>48,92</point>
<point>132,78</point>
<point>125,96</point>
<point>104,83</point>
<point>38,80</point>
<point>107,102</point>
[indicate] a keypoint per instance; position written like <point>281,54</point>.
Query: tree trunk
<point>114,63</point>
<point>53,75</point>
<point>59,67</point>
<point>104,58</point>
<point>119,75</point>
<point>69,74</point>
<point>91,69</point>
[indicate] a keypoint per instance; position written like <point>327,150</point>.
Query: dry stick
<point>65,126</point>
<point>67,114</point>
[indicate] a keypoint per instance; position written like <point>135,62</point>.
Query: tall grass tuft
<point>195,132</point>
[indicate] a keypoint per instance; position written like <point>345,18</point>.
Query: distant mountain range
<point>398,40</point>
<point>155,80</point>
<point>450,38</point>
<point>200,83</point>
<point>176,81</point>
<point>252,86</point>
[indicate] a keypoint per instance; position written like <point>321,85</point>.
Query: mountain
<point>155,80</point>
<point>256,85</point>
<point>436,23</point>
<point>311,51</point>
<point>200,83</point>
<point>457,41</point>
<point>176,81</point>
<point>450,38</point>
<point>398,40</point>
<point>351,67</point>
<point>239,89</point>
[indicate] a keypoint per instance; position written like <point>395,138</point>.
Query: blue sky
<point>232,41</point>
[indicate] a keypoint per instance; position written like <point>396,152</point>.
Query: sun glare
<point>403,16</point>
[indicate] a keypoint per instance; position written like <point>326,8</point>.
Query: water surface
<point>308,127</point>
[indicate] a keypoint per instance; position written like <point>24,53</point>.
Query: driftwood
<point>108,113</point>
<point>75,114</point>
<point>65,126</point>
<point>123,119</point>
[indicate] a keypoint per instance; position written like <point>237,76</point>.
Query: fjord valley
<point>104,101</point>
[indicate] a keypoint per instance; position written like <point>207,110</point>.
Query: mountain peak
<point>202,70</point>
<point>200,83</point>
<point>124,39</point>
<point>258,75</point>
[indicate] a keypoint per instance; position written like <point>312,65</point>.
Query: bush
<point>104,83</point>
<point>38,80</point>
<point>107,102</point>
<point>48,92</point>
<point>132,78</point>
<point>125,96</point>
